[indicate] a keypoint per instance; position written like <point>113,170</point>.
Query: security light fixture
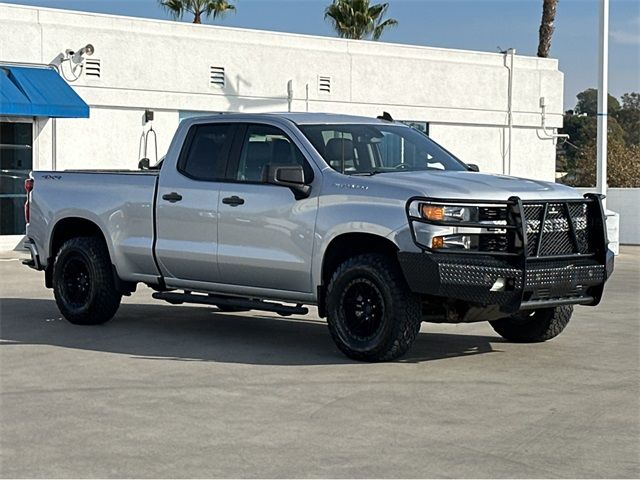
<point>76,62</point>
<point>78,55</point>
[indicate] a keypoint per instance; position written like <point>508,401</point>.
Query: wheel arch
<point>345,246</point>
<point>72,227</point>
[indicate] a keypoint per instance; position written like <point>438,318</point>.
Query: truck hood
<point>473,185</point>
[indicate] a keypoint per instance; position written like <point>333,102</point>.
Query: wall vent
<point>216,76</point>
<point>92,68</point>
<point>324,84</point>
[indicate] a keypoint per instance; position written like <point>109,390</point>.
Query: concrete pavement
<point>184,391</point>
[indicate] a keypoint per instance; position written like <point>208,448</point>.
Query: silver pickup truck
<point>368,219</point>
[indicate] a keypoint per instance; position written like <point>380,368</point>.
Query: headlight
<point>445,225</point>
<point>448,213</point>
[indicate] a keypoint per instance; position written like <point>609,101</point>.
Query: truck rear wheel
<point>83,282</point>
<point>371,313</point>
<point>531,326</point>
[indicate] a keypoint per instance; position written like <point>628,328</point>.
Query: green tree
<point>588,103</point>
<point>583,131</point>
<point>198,8</point>
<point>545,33</point>
<point>358,19</point>
<point>631,101</point>
<point>623,166</point>
<point>577,157</point>
<point>629,118</point>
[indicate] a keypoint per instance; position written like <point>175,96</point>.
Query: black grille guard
<point>557,254</point>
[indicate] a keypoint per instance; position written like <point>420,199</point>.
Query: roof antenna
<point>385,116</point>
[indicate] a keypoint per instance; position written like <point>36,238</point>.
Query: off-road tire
<point>83,282</point>
<point>532,326</point>
<point>399,322</point>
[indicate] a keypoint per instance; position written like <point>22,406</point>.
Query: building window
<point>16,161</point>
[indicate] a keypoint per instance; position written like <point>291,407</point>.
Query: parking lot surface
<point>184,391</point>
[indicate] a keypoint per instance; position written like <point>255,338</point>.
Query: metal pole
<point>54,144</point>
<point>512,52</point>
<point>603,95</point>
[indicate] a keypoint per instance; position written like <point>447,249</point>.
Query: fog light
<point>499,285</point>
<point>437,242</point>
<point>459,242</point>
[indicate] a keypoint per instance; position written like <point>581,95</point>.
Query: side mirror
<point>473,167</point>
<point>143,164</point>
<point>291,176</point>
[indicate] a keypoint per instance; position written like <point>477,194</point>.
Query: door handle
<point>172,197</point>
<point>233,201</point>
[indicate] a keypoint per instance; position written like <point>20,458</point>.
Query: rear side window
<point>205,151</point>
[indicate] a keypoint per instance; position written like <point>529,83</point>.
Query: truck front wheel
<point>531,326</point>
<point>371,313</point>
<point>83,282</point>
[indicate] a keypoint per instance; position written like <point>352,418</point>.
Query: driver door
<point>265,234</point>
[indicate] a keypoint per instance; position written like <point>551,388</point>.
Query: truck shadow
<point>185,333</point>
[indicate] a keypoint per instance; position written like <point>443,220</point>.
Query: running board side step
<point>248,303</point>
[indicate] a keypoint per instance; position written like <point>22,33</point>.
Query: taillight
<point>28,186</point>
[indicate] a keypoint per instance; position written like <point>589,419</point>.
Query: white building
<point>464,99</point>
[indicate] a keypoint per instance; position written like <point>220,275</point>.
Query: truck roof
<point>299,118</point>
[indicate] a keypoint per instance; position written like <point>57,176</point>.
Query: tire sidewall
<point>68,252</point>
<point>336,311</point>
<point>543,325</point>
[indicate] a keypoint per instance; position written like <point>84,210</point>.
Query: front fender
<point>343,214</point>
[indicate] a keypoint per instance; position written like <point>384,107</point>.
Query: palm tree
<point>357,19</point>
<point>546,27</point>
<point>215,8</point>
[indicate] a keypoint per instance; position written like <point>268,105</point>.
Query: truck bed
<point>120,202</point>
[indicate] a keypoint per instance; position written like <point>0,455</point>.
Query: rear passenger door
<point>265,234</point>
<point>187,205</point>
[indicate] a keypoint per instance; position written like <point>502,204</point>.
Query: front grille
<point>557,228</point>
<point>493,243</point>
<point>492,213</point>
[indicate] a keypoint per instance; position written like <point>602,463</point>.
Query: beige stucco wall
<point>165,65</point>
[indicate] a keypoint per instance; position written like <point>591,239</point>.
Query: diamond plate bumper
<point>485,280</point>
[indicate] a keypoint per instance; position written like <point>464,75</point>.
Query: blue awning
<point>38,92</point>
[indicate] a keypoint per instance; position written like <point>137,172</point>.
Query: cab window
<point>265,145</point>
<point>206,150</point>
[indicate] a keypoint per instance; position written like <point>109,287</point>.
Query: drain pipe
<point>506,163</point>
<point>547,134</point>
<point>289,94</point>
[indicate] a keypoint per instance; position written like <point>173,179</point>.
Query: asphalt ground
<point>185,391</point>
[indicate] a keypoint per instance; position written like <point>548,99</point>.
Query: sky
<point>486,25</point>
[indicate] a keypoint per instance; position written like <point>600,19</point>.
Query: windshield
<point>367,149</point>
